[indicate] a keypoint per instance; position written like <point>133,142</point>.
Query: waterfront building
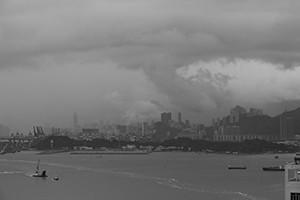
<point>190,133</point>
<point>240,138</point>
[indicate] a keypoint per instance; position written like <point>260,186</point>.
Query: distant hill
<point>296,115</point>
<point>266,125</point>
<point>259,125</point>
<point>293,113</point>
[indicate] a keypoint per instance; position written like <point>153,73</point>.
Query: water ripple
<point>171,182</point>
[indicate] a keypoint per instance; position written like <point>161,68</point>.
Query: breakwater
<point>111,152</point>
<point>53,151</point>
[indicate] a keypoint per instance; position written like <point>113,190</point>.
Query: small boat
<point>237,167</point>
<point>39,174</point>
<point>274,168</point>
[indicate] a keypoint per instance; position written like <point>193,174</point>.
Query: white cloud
<point>142,111</point>
<point>250,82</point>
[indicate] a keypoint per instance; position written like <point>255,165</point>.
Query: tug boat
<point>39,174</point>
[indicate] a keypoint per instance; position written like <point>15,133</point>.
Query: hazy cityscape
<point>230,128</point>
<point>149,99</point>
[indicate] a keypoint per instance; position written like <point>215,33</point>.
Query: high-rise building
<point>166,117</point>
<point>144,128</point>
<point>255,112</point>
<point>235,114</point>
<point>179,117</point>
<point>234,118</point>
<point>286,128</point>
<point>75,122</point>
<point>187,123</point>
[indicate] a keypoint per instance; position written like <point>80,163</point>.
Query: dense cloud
<point>158,36</point>
<point>135,32</point>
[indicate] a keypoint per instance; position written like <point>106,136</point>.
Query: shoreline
<point>112,152</point>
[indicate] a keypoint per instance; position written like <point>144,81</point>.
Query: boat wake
<point>171,182</point>
<point>232,195</point>
<point>12,172</point>
<point>30,175</point>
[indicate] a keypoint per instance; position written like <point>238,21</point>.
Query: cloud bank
<point>162,39</point>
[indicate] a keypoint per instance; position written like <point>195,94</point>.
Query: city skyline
<point>165,117</point>
<point>127,61</point>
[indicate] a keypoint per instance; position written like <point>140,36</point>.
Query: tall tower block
<point>75,122</point>
<point>179,117</point>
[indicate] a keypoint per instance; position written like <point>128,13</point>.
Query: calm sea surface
<point>161,176</point>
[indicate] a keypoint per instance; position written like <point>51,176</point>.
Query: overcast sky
<point>129,60</point>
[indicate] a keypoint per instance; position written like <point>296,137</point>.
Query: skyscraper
<point>144,128</point>
<point>187,123</point>
<point>166,117</point>
<point>75,122</point>
<point>286,128</point>
<point>179,117</point>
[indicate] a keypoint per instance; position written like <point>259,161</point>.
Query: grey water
<point>159,175</point>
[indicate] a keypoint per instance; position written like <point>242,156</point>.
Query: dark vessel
<point>39,174</point>
<point>274,168</point>
<point>237,167</point>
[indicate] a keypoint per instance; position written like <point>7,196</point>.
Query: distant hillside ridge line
<point>266,125</point>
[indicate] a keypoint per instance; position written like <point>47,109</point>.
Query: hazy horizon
<point>127,61</point>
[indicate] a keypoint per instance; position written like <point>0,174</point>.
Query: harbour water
<point>159,176</point>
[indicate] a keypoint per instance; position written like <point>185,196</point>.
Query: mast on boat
<point>38,166</point>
